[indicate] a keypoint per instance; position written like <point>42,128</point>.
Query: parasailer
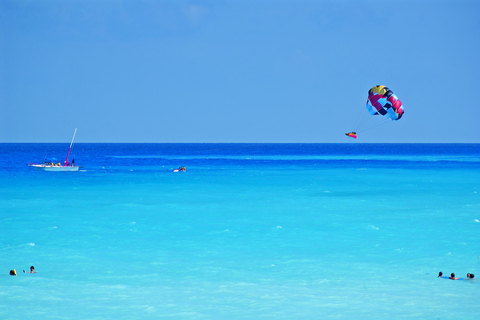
<point>382,101</point>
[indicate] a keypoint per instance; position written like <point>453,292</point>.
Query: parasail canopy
<point>382,101</point>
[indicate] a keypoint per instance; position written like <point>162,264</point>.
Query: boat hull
<point>54,168</point>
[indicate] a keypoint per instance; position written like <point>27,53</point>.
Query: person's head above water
<point>440,274</point>
<point>452,276</point>
<point>470,275</point>
<point>32,270</point>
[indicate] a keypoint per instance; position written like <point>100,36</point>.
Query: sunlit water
<point>260,231</point>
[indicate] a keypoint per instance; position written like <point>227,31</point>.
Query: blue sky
<point>236,71</point>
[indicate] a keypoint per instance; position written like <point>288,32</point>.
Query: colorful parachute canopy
<point>381,100</point>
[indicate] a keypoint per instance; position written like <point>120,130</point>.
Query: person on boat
<point>73,162</point>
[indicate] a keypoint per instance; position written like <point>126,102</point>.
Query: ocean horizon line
<point>262,143</point>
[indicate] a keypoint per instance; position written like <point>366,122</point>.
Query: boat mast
<point>69,149</point>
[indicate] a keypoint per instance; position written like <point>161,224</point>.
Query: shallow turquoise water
<point>249,231</point>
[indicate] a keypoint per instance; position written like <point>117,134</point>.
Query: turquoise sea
<point>249,231</point>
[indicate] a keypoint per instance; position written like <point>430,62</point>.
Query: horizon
<point>359,143</point>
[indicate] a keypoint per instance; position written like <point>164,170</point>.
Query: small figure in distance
<point>452,276</point>
<point>440,274</point>
<point>470,276</point>
<point>32,270</point>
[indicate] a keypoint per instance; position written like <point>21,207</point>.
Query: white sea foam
<point>150,309</point>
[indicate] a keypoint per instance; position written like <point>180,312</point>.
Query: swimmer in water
<point>32,270</point>
<point>452,276</point>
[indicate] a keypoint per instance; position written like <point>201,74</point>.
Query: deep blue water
<point>275,231</point>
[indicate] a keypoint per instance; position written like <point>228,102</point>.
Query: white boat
<point>49,165</point>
